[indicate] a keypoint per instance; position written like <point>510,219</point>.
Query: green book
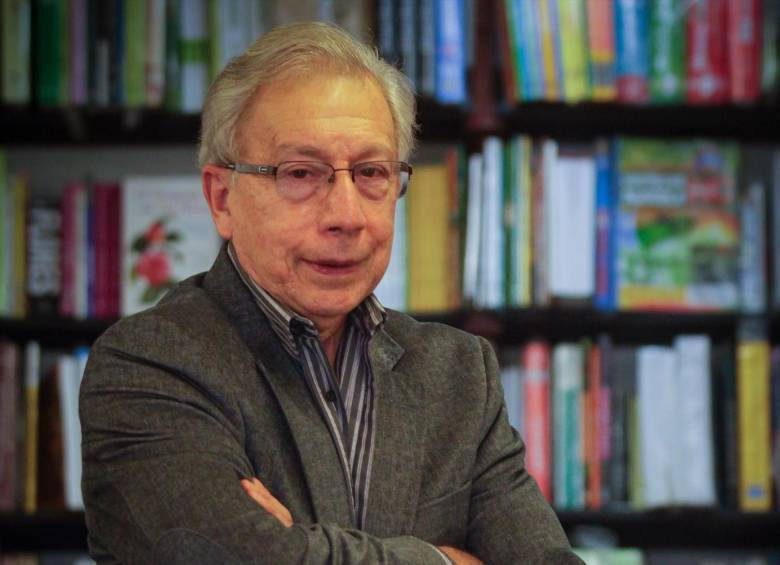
<point>135,53</point>
<point>667,52</point>
<point>172,99</point>
<point>48,46</point>
<point>15,51</point>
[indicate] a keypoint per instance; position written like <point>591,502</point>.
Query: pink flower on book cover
<point>153,251</point>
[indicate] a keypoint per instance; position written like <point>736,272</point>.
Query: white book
<point>471,262</point>
<point>658,428</point>
<point>194,65</point>
<point>512,383</point>
<point>391,290</point>
<point>68,382</point>
<point>491,293</point>
<point>167,235</point>
<point>694,479</point>
<point>570,193</point>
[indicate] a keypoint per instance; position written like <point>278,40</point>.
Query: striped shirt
<point>345,396</point>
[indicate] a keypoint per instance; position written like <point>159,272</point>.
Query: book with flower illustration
<point>677,237</point>
<point>167,235</point>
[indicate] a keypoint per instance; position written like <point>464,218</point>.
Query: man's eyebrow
<point>372,151</point>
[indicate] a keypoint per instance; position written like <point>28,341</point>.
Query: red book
<point>114,253</point>
<point>593,431</point>
<point>105,225</point>
<point>707,62</point>
<point>536,389</point>
<point>68,257</point>
<point>744,49</point>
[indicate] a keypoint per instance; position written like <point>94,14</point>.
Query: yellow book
<point>427,210</point>
<point>753,422</point>
<point>551,86</point>
<point>18,291</point>
<point>573,42</point>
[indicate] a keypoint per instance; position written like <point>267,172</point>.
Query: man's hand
<point>458,556</point>
<point>257,491</point>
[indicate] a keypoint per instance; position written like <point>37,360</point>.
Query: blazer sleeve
<point>162,460</point>
<point>510,521</point>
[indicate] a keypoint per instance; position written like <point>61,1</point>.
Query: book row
<point>99,249</point>
<point>40,439</point>
<point>47,558</point>
<point>625,224</point>
<point>138,53</point>
<point>639,51</point>
<point>613,426</point>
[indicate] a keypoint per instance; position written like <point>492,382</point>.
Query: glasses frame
<point>271,170</point>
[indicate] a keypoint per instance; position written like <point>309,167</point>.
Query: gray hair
<point>292,49</point>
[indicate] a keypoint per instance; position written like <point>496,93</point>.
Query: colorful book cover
<point>508,40</point>
<point>47,45</point>
<point>167,235</point>
<point>518,249</point>
<point>450,54</point>
<point>604,290</point>
<point>755,180</point>
<point>43,257</point>
<point>677,226</point>
<point>754,421</point>
<point>548,11</point>
<point>744,50</point>
<point>573,44</point>
<point>593,432</point>
<point>134,64</point>
<point>536,427</point>
<point>632,18</point>
<point>667,52</point>
<point>154,79</point>
<point>194,47</point>
<point>601,47</point>
<point>15,24</point>
<point>492,242</point>
<point>567,397</point>
<point>707,61</point>
<point>530,24</point>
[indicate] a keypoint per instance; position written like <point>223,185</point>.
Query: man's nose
<point>344,204</point>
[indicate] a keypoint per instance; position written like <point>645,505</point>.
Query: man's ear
<point>216,184</point>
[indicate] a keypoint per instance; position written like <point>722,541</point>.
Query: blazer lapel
<point>320,462</point>
<point>395,474</point>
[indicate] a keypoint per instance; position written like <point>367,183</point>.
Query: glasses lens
<point>298,180</point>
<point>376,178</point>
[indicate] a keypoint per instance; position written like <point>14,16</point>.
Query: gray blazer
<point>181,401</point>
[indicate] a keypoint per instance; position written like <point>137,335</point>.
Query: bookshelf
<point>32,128</point>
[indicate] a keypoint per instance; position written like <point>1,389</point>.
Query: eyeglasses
<point>298,180</point>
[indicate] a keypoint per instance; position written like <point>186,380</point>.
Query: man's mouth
<point>333,266</point>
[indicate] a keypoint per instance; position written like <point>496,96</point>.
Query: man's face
<point>324,255</point>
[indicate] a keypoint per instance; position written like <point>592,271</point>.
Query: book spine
<point>633,57</point>
<point>134,70</point>
<point>667,50</point>
<point>43,259</point>
<point>450,54</point>
<point>388,30</point>
<point>744,49</point>
<point>47,44</point>
<point>601,47</point>
<point>550,72</point>
<point>154,82</point>
<point>573,44</point>
<point>507,38</point>
<point>707,70</point>
<point>753,406</point>
<point>536,383</point>
<point>604,297</point>
<point>427,47</point>
<point>752,257</point>
<point>32,379</point>
<point>605,423</point>
<point>78,52</point>
<point>15,22</point>
<point>9,432</point>
<point>68,204</point>
<point>593,394</point>
<point>408,39</point>
<point>173,72</point>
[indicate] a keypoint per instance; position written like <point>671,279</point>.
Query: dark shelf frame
<point>669,529</point>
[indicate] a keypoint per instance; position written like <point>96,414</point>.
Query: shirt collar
<point>368,316</point>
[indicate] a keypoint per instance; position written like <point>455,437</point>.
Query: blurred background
<point>596,190</point>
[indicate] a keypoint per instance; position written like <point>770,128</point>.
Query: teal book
<point>667,52</point>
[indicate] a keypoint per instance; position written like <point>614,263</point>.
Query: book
<point>15,43</point>
<point>677,238</point>
<point>69,373</point>
<point>32,379</point>
<point>492,236</point>
<point>622,379</point>
<point>512,383</point>
<point>572,40</point>
<point>10,413</point>
<point>632,50</point>
<point>47,36</point>
<point>744,50</point>
<point>567,392</point>
<point>724,384</point>
<point>753,412</point>
<point>570,198</point>
<point>535,364</point>
<point>104,299</point>
<point>79,52</point>
<point>427,44</point>
<point>610,555</point>
<point>593,426</point>
<point>605,419</point>
<point>694,472</point>
<point>194,55</point>
<point>707,63</point>
<point>604,289</point>
<point>133,66</point>
<point>601,48</point>
<point>770,51</point>
<point>392,290</point>
<point>427,208</point>
<point>657,420</point>
<point>43,258</point>
<point>450,80</point>
<point>755,183</point>
<point>471,254</point>
<point>407,39</point>
<point>775,413</point>
<point>167,235</point>
<point>154,53</point>
<point>548,30</point>
<point>667,52</point>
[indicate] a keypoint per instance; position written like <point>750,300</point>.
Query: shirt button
<point>330,396</point>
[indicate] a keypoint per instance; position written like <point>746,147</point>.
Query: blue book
<point>604,298</point>
<point>450,52</point>
<point>632,39</point>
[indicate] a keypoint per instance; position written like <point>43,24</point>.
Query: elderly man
<point>271,410</point>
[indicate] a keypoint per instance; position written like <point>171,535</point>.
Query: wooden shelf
<point>675,528</point>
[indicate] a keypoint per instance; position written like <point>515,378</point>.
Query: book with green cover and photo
<point>677,228</point>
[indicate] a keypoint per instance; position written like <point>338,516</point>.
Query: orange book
<point>593,429</point>
<point>601,42</point>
